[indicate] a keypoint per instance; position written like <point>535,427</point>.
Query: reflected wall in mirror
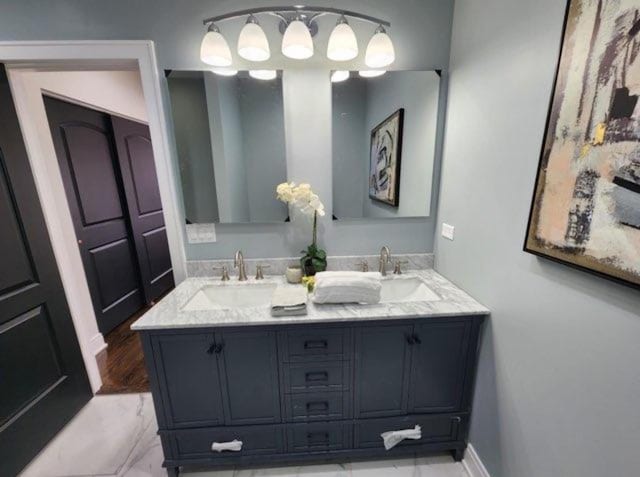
<point>384,136</point>
<point>231,146</point>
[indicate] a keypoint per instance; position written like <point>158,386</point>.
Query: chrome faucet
<point>238,262</point>
<point>385,257</point>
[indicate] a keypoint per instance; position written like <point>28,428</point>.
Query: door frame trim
<point>96,55</point>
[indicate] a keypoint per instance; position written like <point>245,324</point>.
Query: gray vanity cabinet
<point>311,392</point>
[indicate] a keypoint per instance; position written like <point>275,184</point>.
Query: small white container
<point>294,274</point>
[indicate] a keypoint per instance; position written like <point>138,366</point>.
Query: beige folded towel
<point>289,300</point>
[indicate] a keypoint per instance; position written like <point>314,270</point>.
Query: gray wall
<point>558,387</point>
<point>189,106</point>
<point>421,31</point>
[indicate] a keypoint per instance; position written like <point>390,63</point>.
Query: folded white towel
<point>347,287</point>
<point>289,300</point>
<point>393,438</point>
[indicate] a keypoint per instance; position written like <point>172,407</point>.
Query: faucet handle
<point>225,272</point>
<point>364,265</point>
<point>259,270</point>
<point>397,269</point>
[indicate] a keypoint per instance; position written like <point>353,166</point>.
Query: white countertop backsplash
<point>169,313</point>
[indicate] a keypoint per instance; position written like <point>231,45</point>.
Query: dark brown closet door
<point>89,166</point>
<point>137,165</point>
<point>43,382</point>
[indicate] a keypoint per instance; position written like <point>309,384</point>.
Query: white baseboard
<point>97,344</point>
<point>472,463</point>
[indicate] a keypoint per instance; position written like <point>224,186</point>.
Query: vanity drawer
<point>319,437</point>
<point>434,429</point>
<point>256,440</point>
<point>317,406</point>
<point>316,376</point>
<point>315,343</point>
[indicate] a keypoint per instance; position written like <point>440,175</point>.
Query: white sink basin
<point>226,297</point>
<point>402,290</point>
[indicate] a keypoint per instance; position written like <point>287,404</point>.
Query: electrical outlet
<point>447,231</point>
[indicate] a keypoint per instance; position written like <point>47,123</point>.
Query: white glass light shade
<point>224,71</point>
<point>380,51</point>
<point>296,42</point>
<point>343,45</point>
<point>371,73</point>
<point>340,75</point>
<point>263,74</point>
<point>214,49</point>
<point>253,44</point>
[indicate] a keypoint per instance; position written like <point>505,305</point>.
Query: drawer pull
<point>318,438</point>
<point>233,446</point>
<point>316,376</point>
<point>316,344</point>
<point>317,406</point>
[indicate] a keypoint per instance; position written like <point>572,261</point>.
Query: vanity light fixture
<point>297,42</point>
<point>343,44</point>
<point>224,71</point>
<point>371,73</point>
<point>252,42</point>
<point>298,24</point>
<point>339,76</point>
<point>214,49</point>
<point>380,51</point>
<point>264,75</point>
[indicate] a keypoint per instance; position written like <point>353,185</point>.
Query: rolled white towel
<point>347,287</point>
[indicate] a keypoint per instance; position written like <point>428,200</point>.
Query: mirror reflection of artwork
<point>384,166</point>
<point>586,207</point>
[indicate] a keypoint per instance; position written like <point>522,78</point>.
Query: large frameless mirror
<point>230,141</point>
<point>384,139</point>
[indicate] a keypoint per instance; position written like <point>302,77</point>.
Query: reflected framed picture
<point>586,205</point>
<point>385,159</point>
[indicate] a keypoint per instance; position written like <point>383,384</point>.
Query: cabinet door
<point>438,365</point>
<point>381,370</point>
<point>189,380</point>
<point>249,367</point>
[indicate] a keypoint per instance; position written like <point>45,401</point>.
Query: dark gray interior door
<point>438,365</point>
<point>249,368</point>
<point>43,382</point>
<point>135,153</point>
<point>90,170</point>
<point>382,370</point>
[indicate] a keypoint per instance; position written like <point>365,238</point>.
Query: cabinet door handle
<point>219,348</point>
<point>318,438</point>
<point>416,339</point>
<point>212,349</point>
<point>410,339</point>
<point>317,406</point>
<point>316,344</point>
<point>316,376</point>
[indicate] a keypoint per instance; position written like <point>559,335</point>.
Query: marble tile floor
<point>115,436</point>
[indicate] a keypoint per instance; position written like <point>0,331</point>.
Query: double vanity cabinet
<point>311,392</point>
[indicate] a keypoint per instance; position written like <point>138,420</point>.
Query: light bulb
<point>340,75</point>
<point>263,74</point>
<point>252,42</point>
<point>343,45</point>
<point>296,42</point>
<point>380,51</point>
<point>371,73</point>
<point>224,71</point>
<point>214,49</point>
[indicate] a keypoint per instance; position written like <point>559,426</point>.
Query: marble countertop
<point>169,313</point>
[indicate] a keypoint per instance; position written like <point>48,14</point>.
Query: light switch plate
<point>448,231</point>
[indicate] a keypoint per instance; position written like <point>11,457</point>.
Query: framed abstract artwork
<point>586,205</point>
<point>384,161</point>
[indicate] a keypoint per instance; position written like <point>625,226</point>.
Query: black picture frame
<point>541,162</point>
<point>395,201</point>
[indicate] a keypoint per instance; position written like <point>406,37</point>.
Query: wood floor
<point>121,365</point>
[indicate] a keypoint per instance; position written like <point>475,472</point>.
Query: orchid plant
<point>303,198</point>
